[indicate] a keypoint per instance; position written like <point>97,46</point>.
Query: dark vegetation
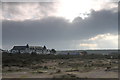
<point>22,60</point>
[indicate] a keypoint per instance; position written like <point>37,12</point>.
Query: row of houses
<point>39,50</point>
<point>30,49</point>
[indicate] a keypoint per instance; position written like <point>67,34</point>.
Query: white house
<point>30,49</point>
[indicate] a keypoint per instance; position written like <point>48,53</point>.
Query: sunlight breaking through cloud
<point>20,11</point>
<point>108,40</point>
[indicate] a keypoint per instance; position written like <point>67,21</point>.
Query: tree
<point>53,51</point>
<point>68,53</point>
<point>44,48</point>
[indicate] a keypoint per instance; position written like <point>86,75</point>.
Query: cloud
<point>24,11</point>
<point>20,11</point>
<point>100,41</point>
<point>58,32</point>
<point>88,45</point>
<point>107,36</point>
<point>81,8</point>
<point>98,22</point>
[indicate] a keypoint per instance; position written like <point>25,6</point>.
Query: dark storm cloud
<point>58,32</point>
<point>99,22</point>
<point>47,28</point>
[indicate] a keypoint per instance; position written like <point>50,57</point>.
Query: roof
<point>19,48</point>
<point>35,47</point>
<point>24,47</point>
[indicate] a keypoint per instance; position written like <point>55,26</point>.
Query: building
<point>30,49</point>
<point>1,50</point>
<point>83,53</point>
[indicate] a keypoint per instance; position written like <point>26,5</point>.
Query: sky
<point>61,24</point>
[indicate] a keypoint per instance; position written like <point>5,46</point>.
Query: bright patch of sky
<point>68,9</point>
<point>105,41</point>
